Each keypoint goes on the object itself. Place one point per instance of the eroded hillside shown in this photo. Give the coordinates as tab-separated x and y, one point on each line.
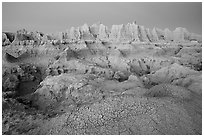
94	80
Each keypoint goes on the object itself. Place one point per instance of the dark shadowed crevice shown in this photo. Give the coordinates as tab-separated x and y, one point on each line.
10	36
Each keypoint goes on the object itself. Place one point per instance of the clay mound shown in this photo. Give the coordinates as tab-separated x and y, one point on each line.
168	90
67	88
191	82
170	73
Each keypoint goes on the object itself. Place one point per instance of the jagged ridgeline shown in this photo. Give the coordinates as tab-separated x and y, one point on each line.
98	32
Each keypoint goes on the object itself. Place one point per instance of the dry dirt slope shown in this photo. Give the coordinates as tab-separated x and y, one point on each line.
94	80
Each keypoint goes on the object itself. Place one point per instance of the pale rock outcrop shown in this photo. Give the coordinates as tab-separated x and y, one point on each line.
94	29
186	34
180	34
136	79
74	34
149	35
155	35
134	31
125	34
168	35
115	32
160	34
99	31
117	61
85	33
142	34
103	33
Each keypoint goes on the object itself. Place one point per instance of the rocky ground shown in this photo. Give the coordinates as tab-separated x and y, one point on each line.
92	80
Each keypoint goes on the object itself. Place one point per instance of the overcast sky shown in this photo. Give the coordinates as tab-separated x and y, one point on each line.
54	17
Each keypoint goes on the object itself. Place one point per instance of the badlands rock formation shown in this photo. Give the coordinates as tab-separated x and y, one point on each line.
123	80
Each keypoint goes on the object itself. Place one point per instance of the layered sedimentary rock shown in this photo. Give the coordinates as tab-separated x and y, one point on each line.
85	33
130	32
160	34
142	34
115	32
103	32
149	35
181	34
94	29
125	34
168	35
155	35
99	31
74	34
127	80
